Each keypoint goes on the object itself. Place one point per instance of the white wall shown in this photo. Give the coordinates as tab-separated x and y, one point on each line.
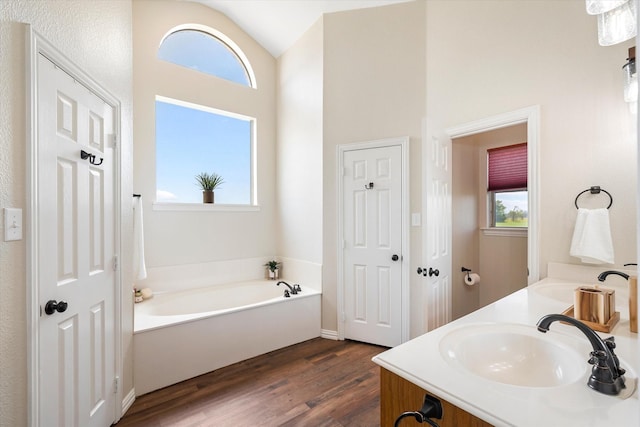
489	57
183	237
465	247
299	150
97	37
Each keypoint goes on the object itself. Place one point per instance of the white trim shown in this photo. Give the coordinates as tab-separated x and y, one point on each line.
505	231
36	45
223	38
253	157
403	142
202	207
530	116
128	401
329	335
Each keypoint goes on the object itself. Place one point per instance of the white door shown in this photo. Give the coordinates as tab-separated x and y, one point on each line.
76	235
437	231
372	273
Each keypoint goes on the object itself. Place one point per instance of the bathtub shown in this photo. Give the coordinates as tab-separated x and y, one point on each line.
180	335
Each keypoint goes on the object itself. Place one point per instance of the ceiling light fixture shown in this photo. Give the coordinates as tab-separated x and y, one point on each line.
616	20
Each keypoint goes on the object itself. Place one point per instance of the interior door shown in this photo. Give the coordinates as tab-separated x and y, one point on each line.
437	213
372	275
76	248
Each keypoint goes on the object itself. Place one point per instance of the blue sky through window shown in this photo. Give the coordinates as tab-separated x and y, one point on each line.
190	141
203	52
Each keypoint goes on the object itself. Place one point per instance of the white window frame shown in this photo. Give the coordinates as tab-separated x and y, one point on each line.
253	205
224	39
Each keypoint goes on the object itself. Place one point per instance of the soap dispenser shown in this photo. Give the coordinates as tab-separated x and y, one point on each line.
633	301
633	295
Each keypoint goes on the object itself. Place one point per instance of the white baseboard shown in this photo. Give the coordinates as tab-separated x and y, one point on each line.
128	401
330	335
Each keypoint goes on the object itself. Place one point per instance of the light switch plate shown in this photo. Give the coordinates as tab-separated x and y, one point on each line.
12	224
415	219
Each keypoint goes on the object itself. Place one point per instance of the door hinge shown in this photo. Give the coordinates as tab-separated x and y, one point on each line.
116	383
115	140
115	263
344	317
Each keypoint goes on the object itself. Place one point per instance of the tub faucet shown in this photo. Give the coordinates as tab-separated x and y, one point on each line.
604	275
606	376
291	290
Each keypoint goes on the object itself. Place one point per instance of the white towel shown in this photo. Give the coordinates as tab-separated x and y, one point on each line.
592	241
139	268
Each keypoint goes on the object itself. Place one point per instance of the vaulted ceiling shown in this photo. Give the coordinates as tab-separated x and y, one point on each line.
277	24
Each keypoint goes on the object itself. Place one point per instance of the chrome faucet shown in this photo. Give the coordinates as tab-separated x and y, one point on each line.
602	276
293	290
606	375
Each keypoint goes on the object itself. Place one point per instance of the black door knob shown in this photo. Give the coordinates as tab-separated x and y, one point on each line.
395	257
52	306
433	272
422	271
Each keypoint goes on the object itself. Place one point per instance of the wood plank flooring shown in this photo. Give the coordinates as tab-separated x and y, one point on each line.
318	383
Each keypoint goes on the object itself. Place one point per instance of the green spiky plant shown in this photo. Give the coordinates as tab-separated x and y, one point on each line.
272	265
209	181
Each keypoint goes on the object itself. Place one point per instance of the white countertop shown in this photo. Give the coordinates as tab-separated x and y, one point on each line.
420	362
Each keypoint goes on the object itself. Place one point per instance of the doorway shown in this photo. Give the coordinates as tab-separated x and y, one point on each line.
495	249
435	132
372	280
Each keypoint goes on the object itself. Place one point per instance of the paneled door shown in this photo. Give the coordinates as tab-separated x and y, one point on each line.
372	273
76	252
437	194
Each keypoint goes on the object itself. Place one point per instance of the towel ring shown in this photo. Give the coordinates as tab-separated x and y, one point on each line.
594	190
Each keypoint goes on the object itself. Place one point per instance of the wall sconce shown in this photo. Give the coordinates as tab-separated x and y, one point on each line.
616	20
631	81
630	77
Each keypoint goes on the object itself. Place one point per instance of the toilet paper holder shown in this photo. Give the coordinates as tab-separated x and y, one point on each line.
466	270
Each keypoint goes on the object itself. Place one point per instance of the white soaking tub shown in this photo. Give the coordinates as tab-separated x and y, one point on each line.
180	335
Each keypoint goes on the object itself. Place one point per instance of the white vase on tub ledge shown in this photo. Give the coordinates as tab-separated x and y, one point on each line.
274	274
273	269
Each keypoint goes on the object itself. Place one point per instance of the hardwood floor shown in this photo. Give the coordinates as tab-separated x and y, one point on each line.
318	383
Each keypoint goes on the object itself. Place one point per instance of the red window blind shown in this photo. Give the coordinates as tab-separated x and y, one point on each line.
507	167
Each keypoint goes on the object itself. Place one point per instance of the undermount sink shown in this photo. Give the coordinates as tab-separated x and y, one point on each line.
564	292
515	354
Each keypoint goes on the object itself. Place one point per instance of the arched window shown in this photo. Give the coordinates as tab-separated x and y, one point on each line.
193	138
208	51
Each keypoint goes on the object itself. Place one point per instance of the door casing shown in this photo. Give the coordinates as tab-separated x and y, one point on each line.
403	142
531	116
36	45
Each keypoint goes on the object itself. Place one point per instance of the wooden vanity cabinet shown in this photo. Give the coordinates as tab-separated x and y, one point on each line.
398	395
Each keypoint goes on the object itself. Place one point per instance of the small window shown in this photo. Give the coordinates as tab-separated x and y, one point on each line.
201	51
191	139
507	186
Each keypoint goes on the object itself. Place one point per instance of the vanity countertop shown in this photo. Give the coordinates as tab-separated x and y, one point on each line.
420	361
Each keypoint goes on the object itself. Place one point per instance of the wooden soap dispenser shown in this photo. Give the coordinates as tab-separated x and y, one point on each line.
633	301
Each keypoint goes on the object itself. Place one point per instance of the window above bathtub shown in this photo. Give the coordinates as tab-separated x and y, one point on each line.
192	139
205	127
209	51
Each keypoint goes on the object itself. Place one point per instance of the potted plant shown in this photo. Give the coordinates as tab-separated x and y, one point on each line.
273	269
208	182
